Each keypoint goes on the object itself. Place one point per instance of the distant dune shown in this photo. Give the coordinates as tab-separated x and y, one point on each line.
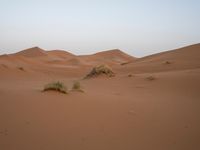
60	53
60	57
183	58
179	59
111	57
126	103
32	52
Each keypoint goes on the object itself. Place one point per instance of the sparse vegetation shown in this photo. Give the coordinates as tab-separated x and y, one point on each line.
99	70
56	86
124	63
130	75
77	86
150	78
167	62
21	68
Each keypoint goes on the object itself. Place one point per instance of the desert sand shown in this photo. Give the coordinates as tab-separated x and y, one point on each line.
152	103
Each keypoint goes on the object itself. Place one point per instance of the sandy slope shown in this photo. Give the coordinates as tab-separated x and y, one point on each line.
32	52
183	58
110	57
118	113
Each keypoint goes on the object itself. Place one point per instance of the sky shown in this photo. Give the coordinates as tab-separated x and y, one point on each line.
137	27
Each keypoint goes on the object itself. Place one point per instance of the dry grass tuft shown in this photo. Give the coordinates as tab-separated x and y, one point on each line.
130	75
124	63
99	70
56	86
167	62
77	86
150	78
21	68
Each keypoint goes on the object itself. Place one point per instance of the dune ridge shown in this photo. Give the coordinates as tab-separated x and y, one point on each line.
179	59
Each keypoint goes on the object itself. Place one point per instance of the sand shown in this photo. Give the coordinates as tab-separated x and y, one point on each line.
151	103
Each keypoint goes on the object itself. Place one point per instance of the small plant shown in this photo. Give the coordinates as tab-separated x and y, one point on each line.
124	63
99	70
21	68
56	86
77	86
150	78
167	62
130	75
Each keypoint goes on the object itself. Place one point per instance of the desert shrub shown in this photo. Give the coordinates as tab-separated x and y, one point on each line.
21	68
124	63
167	62
130	75
77	86
101	69
150	78
56	86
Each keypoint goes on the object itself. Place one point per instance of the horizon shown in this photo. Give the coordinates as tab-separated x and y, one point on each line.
96	51
138	28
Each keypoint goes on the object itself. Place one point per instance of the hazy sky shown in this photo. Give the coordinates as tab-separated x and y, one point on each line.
138	27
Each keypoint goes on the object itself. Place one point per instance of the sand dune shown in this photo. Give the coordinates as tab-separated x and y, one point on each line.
151	103
60	53
111	57
38	58
32	52
179	59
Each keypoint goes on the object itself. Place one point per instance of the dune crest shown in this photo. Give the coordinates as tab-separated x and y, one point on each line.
179	59
60	53
32	52
110	57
